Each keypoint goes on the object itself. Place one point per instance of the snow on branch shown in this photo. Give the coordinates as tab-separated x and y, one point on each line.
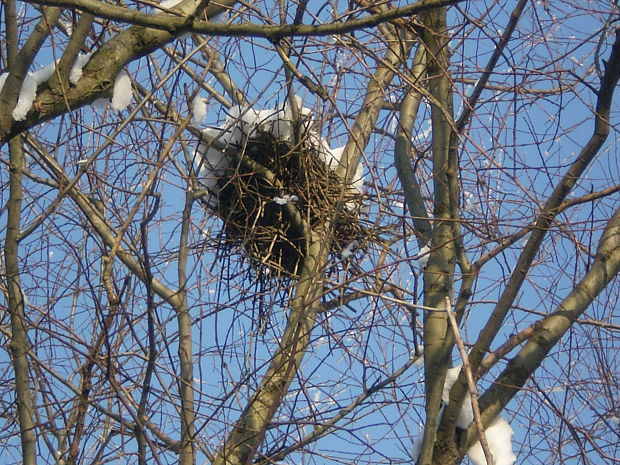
199	110
498	434
76	70
121	96
28	92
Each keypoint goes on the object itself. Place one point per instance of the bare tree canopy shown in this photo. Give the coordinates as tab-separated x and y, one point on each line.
309	232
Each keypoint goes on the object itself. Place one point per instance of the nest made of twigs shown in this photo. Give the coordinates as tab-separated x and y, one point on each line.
271	192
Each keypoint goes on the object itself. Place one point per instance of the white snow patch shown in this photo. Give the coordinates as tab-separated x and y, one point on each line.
393	124
199	110
44	73
214	163
423	255
287	198
420	351
469	200
358	179
68	27
218	134
28	92
280	121
244	123
466	415
265	119
498	434
331	157
76	70
240	124
122	94
349	249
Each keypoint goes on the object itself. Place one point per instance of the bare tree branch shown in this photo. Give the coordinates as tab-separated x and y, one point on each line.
605	268
173	24
438	274
550	209
19	343
402	152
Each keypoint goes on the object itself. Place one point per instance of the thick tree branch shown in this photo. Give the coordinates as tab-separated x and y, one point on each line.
605	268
552	206
402	152
18	344
98	75
174	24
12	38
438	274
186	359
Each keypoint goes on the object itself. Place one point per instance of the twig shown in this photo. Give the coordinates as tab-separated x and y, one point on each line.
473	393
325	428
313	87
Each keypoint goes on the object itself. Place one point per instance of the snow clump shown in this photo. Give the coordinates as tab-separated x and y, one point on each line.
287	198
169	3
76	70
122	94
28	92
350	249
121	97
424	255
498	433
199	110
3	77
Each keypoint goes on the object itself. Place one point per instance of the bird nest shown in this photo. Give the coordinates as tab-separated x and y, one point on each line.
270	192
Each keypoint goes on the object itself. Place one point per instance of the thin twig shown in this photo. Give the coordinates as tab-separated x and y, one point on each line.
473	393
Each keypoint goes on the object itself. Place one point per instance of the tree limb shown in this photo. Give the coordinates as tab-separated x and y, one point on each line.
97	77
176	23
402	152
551	208
18	345
605	268
439	272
